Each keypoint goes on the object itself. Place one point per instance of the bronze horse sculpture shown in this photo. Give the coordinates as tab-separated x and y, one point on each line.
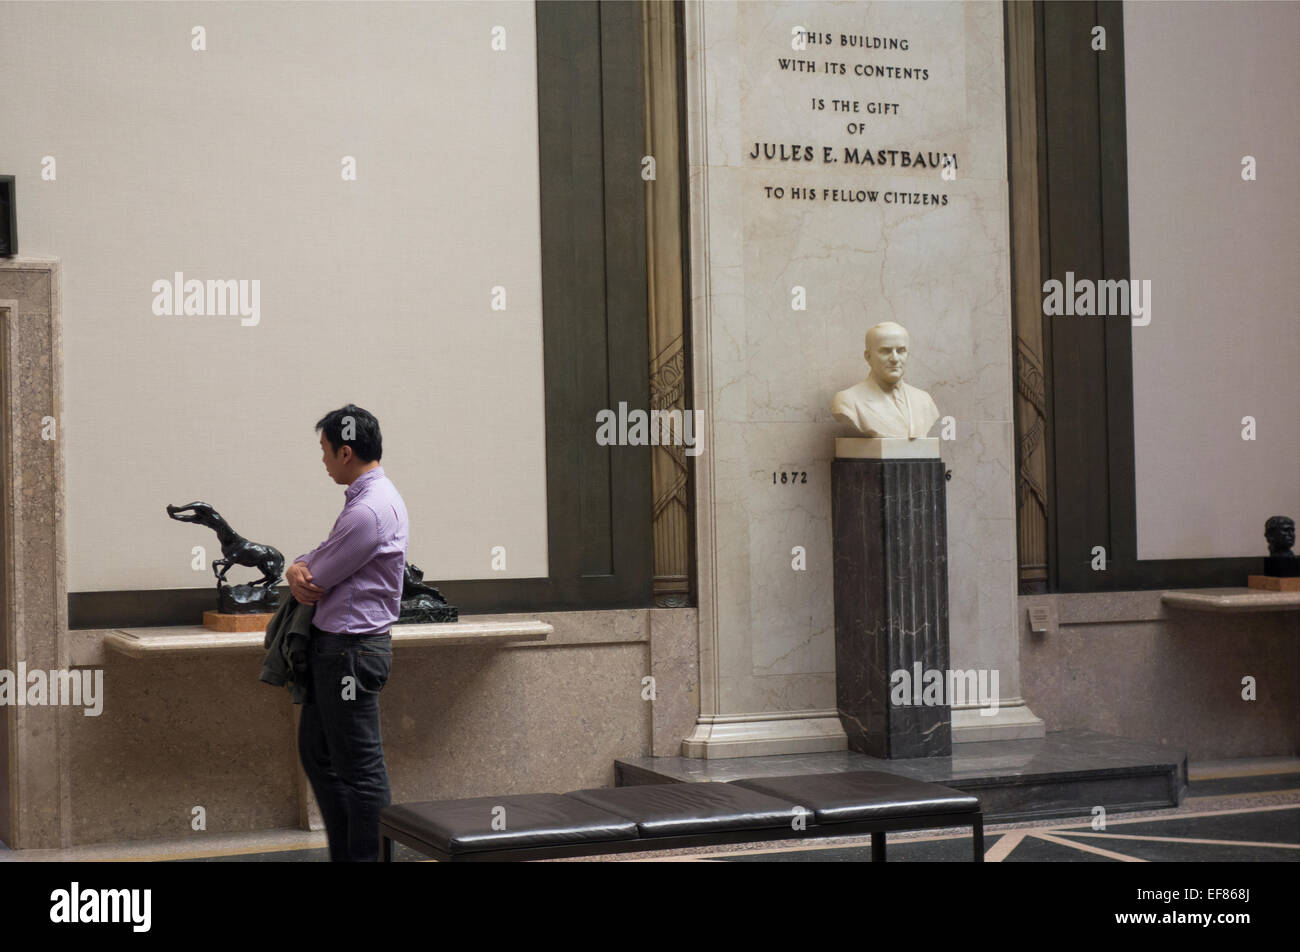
235	549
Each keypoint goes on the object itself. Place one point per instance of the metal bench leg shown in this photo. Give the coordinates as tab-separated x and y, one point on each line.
977	830
877	847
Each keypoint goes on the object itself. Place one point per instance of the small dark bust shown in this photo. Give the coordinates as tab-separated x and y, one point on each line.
1281	562
1279	531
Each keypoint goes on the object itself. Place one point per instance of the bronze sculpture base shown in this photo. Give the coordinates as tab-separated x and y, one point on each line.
1273	583
244	621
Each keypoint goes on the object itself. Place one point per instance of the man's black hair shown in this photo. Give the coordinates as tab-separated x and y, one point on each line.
367	443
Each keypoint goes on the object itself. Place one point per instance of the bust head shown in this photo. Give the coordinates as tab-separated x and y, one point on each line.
879	406
1279	531
886	353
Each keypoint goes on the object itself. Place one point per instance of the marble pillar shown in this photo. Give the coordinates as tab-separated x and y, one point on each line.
34	595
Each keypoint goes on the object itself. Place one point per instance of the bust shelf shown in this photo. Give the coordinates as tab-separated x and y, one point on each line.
186	639
1232	600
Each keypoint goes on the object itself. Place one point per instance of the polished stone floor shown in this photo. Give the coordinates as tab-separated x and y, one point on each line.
1267	834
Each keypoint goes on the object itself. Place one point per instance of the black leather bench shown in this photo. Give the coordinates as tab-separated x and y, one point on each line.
676	815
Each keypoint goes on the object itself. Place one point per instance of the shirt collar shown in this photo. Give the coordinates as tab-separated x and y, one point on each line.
362	481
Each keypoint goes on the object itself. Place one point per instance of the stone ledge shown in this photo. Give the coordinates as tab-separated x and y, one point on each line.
154	642
1232	600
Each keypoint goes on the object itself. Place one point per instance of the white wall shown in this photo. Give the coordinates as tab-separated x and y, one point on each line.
227	164
1205	85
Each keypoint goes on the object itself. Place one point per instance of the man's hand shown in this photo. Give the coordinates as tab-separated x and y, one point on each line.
300	584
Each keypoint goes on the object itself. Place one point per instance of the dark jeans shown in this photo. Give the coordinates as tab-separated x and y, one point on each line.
339	741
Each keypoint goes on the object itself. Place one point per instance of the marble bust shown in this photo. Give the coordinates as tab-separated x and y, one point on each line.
883	405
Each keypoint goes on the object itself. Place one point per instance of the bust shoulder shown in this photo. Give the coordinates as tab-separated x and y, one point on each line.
859	391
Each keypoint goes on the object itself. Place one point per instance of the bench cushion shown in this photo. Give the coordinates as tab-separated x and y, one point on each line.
534	819
863	795
679	809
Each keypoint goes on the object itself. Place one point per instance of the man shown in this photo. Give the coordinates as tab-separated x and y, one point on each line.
354	578
883	405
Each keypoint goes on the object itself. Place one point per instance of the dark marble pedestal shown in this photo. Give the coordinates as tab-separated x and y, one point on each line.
1282	566
889	528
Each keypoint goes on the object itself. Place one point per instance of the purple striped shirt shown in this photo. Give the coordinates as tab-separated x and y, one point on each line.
361	564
